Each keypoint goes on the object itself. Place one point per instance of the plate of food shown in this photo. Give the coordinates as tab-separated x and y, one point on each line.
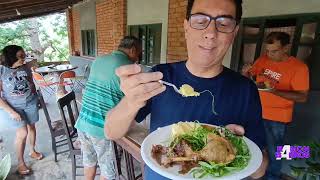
264	86
191	150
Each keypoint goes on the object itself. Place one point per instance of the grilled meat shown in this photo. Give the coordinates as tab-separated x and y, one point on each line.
217	149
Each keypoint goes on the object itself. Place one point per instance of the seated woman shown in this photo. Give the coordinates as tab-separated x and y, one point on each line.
18	102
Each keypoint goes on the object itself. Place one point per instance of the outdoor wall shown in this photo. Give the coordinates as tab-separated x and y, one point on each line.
83	17
150	12
88	16
111	24
70	30
111	21
107	17
177	49
73	20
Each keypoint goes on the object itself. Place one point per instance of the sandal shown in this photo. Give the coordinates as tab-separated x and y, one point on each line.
36	155
23	170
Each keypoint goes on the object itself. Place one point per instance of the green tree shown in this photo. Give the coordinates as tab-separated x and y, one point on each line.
45	41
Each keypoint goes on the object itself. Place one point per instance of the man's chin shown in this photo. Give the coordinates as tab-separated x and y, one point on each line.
204	62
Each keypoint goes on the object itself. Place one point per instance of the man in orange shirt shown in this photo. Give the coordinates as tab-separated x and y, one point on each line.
282	81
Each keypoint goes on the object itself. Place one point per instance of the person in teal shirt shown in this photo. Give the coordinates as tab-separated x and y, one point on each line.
102	92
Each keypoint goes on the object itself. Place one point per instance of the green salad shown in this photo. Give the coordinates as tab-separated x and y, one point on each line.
197	139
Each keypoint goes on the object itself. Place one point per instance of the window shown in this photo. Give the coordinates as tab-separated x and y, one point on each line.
88	42
150	36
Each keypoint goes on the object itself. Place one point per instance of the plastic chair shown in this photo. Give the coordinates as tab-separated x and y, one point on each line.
81	80
65	76
44	84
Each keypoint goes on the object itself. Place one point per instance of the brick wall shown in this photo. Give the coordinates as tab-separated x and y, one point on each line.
76	30
70	29
177	49
73	19
111	24
111	17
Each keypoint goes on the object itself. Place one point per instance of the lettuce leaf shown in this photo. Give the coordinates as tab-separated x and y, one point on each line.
197	139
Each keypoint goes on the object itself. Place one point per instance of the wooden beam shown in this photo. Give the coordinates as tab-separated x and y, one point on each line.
31	10
34	10
43	12
28	4
30	16
31	7
11	2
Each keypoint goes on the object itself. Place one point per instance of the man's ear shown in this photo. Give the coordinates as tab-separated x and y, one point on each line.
286	48
132	50
235	32
186	27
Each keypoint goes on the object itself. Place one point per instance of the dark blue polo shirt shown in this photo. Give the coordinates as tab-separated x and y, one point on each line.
236	102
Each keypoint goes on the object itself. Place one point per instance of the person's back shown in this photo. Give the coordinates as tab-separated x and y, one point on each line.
102	93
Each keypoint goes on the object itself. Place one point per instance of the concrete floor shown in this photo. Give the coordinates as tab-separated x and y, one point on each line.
45	168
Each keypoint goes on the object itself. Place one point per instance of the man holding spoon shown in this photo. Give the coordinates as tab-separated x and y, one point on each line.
210	28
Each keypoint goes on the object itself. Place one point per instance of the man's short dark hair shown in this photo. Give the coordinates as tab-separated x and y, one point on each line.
9	55
237	3
129	42
283	37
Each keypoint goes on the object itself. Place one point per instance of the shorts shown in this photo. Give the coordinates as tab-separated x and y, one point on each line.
28	112
98	151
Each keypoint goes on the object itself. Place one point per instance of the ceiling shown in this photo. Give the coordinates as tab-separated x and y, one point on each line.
11	10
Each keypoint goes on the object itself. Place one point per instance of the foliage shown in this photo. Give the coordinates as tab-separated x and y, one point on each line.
311	170
50	30
218	170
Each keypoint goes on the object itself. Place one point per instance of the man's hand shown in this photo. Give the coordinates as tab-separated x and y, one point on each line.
139	87
296	96
16	116
236	129
245	69
239	130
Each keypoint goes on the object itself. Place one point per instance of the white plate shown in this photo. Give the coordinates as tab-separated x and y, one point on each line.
265	89
162	135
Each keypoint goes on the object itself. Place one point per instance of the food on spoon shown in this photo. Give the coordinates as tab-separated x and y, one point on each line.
267	84
187	91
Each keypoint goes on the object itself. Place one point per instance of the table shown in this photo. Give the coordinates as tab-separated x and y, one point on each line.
56	70
131	145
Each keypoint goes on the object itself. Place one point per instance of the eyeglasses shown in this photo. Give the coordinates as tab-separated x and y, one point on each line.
224	24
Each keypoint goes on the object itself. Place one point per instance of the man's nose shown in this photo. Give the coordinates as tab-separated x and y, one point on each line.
211	31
